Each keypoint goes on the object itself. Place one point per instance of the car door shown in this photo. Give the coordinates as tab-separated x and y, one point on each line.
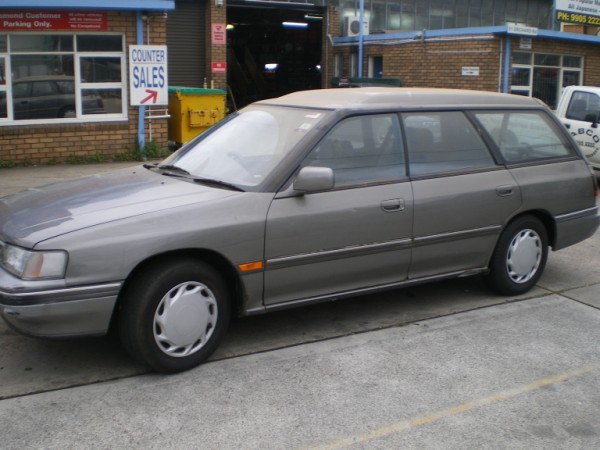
581	119
354	236
462	197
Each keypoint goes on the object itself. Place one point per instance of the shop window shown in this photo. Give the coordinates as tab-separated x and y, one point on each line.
375	66
3	104
543	75
337	65
353	64
411	15
62	77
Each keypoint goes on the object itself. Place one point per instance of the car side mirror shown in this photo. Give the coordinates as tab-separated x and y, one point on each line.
593	119
312	179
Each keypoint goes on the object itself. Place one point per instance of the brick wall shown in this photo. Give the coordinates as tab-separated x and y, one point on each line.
41	144
215	53
438	63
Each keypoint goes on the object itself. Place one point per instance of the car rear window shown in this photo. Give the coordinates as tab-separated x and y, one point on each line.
524	136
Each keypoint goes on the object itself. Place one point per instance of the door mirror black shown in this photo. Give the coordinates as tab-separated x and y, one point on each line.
593	118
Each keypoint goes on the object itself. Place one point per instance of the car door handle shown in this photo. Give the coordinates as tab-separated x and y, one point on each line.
504	191
393	205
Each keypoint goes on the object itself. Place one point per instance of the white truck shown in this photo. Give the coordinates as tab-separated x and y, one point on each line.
579	110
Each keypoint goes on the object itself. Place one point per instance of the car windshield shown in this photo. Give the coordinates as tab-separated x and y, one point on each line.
244	149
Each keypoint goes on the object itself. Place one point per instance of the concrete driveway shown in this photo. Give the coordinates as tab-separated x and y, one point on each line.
447	365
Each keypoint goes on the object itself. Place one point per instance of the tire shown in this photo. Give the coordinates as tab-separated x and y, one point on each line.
174	315
520	257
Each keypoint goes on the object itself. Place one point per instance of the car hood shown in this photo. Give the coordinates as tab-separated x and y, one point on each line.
37	214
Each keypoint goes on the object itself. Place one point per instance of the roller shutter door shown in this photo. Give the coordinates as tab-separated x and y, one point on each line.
186	37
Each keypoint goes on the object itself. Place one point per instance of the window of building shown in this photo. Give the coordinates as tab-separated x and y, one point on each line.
62	78
416	15
337	65
375	67
353	64
543	75
3	107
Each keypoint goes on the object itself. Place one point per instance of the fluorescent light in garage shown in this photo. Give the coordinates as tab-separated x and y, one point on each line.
294	24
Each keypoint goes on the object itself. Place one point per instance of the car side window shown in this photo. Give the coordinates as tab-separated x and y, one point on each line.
42	88
362	149
439	142
524	136
583	106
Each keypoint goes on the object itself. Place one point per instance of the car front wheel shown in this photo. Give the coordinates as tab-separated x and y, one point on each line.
520	257
174	315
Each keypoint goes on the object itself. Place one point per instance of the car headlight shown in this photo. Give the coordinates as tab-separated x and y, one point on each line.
32	265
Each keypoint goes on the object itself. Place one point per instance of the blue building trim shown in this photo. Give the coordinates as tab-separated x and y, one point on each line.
139	40
96	5
498	30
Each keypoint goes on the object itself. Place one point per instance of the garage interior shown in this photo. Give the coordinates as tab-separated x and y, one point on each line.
272	50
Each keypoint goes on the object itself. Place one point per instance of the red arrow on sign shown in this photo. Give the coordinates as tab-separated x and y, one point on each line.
152	95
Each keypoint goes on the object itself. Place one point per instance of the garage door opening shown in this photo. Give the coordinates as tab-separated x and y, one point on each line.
272	51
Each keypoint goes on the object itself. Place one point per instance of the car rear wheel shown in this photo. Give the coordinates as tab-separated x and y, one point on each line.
520	256
174	315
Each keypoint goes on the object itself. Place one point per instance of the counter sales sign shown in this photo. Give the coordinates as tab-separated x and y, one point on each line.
584	12
148	84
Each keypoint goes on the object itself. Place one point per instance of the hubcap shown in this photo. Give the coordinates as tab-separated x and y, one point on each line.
524	256
185	319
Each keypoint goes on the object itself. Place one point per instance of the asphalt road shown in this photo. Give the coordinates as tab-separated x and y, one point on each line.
447	365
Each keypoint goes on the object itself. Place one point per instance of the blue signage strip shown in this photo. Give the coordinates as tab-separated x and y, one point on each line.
115	5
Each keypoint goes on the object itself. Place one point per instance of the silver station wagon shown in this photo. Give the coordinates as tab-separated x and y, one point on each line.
306	198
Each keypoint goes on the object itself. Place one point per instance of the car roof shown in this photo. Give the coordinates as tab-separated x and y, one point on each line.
393	97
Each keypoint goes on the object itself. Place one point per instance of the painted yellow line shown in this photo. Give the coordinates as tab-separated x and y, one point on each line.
452	411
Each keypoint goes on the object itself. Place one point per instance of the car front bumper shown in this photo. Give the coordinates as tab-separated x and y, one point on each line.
60	312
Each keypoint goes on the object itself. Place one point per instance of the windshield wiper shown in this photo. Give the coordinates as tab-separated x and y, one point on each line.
176	170
212	182
173	168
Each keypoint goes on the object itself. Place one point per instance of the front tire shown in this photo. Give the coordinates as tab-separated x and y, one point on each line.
174	315
520	257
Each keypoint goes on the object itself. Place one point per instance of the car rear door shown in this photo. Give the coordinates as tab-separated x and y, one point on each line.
462	196
352	237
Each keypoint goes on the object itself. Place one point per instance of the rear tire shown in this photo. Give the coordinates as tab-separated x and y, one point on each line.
520	257
174	315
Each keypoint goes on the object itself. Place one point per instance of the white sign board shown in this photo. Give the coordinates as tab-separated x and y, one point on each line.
470	71
514	28
148	83
590	8
525	43
584	12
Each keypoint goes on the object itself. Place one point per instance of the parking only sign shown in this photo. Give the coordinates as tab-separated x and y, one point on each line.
148	83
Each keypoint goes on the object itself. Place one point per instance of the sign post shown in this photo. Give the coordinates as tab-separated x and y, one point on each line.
148	82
